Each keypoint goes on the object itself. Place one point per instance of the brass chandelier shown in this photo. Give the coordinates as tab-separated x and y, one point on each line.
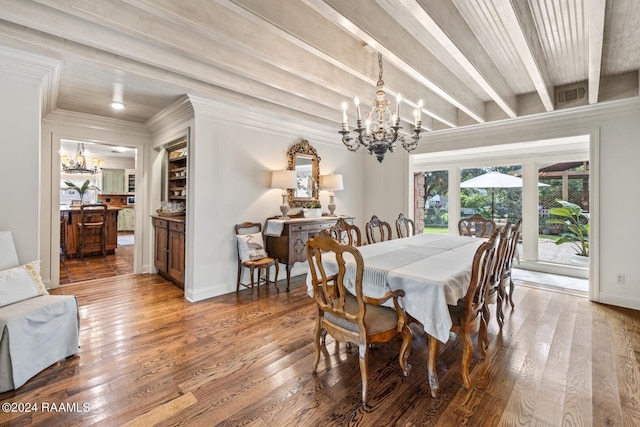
381	130
78	164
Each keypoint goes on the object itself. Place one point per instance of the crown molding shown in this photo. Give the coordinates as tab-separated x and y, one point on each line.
271	118
31	68
98	123
179	112
548	125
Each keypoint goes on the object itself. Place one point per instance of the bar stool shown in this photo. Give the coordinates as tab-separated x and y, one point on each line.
92	231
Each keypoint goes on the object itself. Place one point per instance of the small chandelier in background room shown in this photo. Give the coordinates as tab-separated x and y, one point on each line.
380	132
78	164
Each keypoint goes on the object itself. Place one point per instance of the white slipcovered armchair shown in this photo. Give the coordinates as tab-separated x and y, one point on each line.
36	329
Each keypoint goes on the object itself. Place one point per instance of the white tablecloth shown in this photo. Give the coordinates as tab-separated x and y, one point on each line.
433	270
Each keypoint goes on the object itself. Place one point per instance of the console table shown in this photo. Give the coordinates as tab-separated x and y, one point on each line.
286	239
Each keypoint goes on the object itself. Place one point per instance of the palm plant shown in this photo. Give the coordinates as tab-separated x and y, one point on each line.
82	189
577	222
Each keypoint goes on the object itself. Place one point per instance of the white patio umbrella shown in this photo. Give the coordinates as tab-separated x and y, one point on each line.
493	180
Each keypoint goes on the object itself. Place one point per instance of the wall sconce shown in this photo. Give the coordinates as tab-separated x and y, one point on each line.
285	179
331	183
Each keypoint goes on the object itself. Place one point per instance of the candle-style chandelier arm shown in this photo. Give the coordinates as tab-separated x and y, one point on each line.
380	132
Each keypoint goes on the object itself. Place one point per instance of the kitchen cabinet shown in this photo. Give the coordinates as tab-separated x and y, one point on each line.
130	180
126	219
169	248
69	219
289	245
113	181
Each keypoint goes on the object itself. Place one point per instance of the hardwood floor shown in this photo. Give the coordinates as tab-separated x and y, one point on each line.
150	357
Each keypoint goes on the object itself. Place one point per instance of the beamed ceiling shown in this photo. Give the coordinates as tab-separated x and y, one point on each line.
470	61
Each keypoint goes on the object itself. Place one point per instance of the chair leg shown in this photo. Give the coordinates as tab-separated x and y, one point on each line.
467	347
483	337
239	275
275	279
433	358
405	349
252	275
317	333
511	287
499	304
363	353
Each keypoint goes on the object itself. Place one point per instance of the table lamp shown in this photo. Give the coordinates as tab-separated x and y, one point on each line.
284	179
331	183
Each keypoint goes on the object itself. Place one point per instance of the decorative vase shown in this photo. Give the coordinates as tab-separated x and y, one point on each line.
312	213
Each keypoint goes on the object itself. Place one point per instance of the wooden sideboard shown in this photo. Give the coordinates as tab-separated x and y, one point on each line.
169	248
289	246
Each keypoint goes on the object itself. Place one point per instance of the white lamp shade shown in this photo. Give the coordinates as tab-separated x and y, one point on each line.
284	179
331	182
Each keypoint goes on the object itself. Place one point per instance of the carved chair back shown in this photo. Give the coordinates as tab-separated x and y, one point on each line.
346	233
405	227
476	225
377	230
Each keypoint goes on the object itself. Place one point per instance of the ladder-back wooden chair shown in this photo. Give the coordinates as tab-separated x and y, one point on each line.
476	225
405	227
350	316
469	314
346	233
92	229
377	230
252	255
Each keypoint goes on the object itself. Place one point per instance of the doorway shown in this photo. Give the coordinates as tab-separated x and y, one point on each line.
112	184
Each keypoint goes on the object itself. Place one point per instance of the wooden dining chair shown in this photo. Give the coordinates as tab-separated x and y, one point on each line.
469	314
516	234
495	292
350	316
405	227
347	233
252	255
476	225
92	229
377	230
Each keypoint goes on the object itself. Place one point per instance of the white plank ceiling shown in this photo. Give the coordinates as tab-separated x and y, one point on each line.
470	61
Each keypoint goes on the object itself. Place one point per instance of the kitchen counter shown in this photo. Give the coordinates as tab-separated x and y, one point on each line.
69	219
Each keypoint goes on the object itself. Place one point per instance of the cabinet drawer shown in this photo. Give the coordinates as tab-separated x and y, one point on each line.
314	227
176	226
160	223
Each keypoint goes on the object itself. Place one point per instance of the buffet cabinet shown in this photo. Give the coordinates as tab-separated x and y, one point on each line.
169	248
289	244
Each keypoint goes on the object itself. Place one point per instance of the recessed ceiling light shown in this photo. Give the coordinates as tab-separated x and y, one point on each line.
117	105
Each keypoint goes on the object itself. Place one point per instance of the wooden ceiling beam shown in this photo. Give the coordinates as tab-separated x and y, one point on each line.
519	24
595	12
443	22
303	27
368	22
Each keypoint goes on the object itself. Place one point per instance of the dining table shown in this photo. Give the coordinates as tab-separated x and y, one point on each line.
433	270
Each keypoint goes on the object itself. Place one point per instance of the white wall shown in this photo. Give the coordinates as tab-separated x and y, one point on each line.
21	82
229	182
386	188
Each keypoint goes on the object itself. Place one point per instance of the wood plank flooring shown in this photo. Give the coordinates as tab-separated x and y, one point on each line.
149	357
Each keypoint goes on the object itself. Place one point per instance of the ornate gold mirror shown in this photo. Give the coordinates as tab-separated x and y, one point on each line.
304	159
